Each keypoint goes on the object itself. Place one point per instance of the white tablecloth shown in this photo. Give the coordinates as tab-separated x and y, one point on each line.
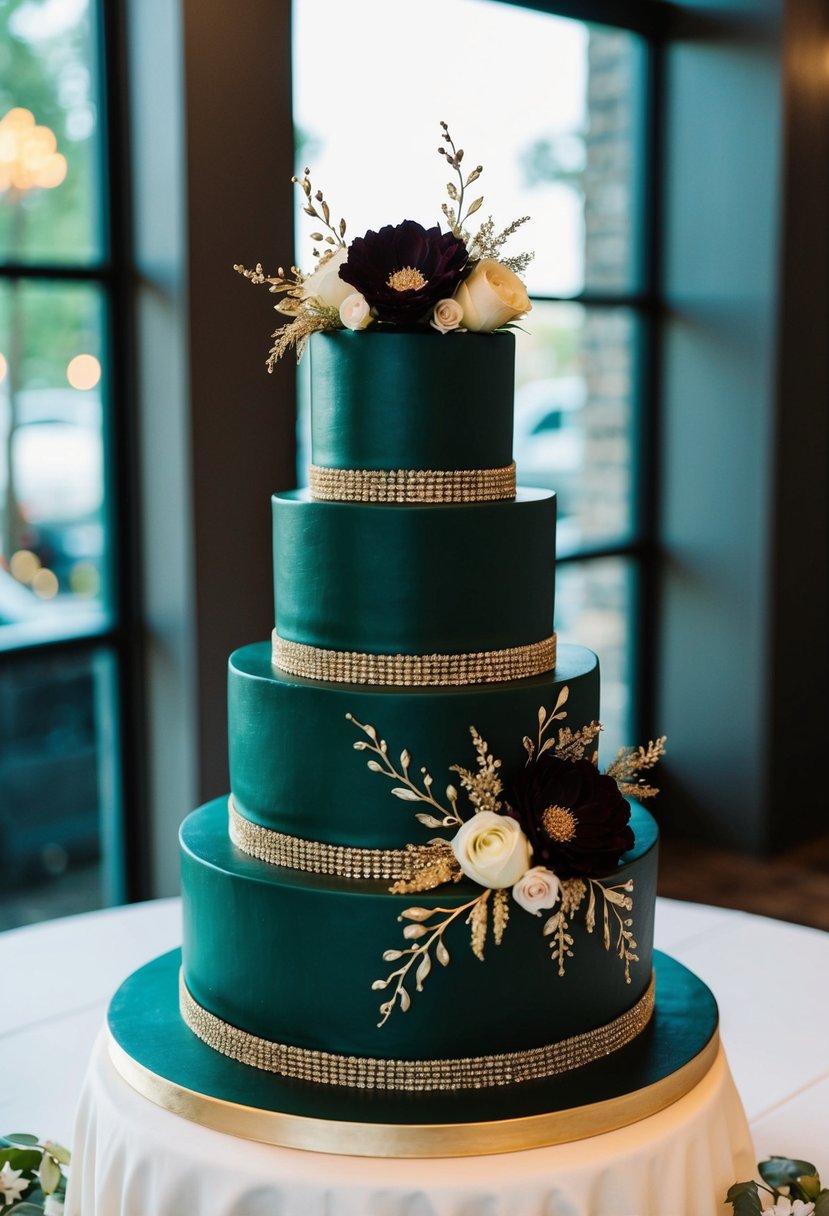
62	974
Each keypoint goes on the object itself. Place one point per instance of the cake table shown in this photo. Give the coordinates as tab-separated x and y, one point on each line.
133	1158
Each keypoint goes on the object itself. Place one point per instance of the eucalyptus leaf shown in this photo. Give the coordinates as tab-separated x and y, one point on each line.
49	1174
21	1138
58	1151
783	1171
745	1199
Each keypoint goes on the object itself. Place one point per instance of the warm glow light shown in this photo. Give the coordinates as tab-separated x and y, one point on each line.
28	153
84	371
24	565
45	584
4	367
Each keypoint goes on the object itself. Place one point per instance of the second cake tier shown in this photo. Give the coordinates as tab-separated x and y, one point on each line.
414	580
293	767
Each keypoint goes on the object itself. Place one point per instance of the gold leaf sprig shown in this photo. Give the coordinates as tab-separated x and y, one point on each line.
573	891
545	721
455	216
630	762
487	243
484	786
616	900
408	791
335	235
426	938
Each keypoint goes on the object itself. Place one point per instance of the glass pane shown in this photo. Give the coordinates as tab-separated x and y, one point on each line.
549	106
53	542
58	812
50	170
595	608
574	418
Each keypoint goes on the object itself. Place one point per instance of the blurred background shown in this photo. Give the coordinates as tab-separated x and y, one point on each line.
672	387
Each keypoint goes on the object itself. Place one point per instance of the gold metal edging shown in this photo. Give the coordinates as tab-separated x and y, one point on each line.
414	670
415	1139
415	1076
411	485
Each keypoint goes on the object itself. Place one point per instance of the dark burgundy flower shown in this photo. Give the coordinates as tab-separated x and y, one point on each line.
574	816
404	269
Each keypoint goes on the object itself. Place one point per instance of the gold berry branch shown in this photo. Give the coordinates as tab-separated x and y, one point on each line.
455	215
335	236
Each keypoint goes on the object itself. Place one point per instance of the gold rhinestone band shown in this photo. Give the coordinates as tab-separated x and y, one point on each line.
415	1076
359	667
315	857
411	485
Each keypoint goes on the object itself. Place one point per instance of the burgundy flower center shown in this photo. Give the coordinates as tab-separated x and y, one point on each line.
407	279
559	823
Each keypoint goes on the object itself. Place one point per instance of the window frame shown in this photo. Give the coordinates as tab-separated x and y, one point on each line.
125	873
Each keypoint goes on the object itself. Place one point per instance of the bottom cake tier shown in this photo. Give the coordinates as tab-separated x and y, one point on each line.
159	1057
280	969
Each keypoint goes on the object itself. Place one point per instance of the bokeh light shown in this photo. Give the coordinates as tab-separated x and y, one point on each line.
24	565
45	584
28	153
83	372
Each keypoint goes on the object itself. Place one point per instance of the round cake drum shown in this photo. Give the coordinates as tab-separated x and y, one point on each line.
159	1057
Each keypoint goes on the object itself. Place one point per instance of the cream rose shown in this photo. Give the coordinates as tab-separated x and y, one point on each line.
492	850
355	312
447	316
491	296
536	889
325	283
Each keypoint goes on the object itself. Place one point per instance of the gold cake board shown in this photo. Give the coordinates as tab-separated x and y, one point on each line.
156	1054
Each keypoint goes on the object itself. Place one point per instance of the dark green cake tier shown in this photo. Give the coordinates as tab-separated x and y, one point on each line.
292	762
394	400
291	957
414	579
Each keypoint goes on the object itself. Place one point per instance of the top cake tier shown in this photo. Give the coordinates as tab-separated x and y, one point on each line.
398	400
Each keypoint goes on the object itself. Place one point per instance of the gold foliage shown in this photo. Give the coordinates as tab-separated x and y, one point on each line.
408	790
630	762
430	867
484	786
500	915
478	919
311	318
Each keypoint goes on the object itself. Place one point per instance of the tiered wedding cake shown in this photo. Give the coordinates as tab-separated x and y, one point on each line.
424	913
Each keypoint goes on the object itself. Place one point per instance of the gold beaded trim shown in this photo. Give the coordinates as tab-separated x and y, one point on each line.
359	667
411	485
315	857
415	1076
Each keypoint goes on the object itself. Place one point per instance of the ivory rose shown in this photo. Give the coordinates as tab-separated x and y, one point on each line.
492	850
355	312
447	316
491	296
325	283
536	889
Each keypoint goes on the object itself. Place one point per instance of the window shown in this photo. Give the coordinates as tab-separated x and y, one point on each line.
555	108
60	602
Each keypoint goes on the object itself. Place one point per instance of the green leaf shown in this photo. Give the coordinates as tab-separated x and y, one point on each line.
27	1209
60	1153
783	1171
27	1159
20	1138
49	1174
745	1199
